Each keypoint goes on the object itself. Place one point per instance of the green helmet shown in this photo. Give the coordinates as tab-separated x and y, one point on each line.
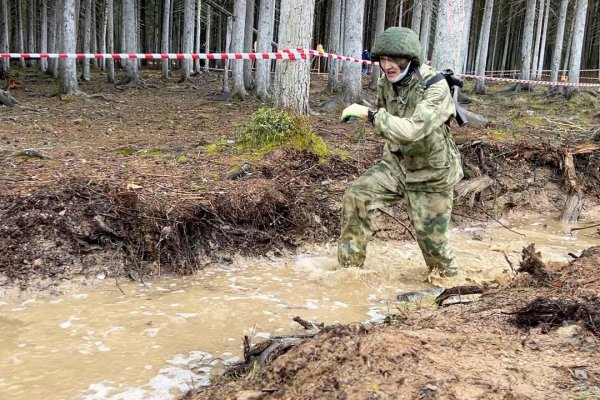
397	42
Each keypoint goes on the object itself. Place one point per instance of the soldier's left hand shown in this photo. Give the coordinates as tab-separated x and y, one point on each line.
355	111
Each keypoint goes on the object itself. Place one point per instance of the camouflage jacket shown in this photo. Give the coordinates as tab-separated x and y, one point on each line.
413	123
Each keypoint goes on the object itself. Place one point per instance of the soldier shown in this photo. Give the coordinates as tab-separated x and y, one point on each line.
420	162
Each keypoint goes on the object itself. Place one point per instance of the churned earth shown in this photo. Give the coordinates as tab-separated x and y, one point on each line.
151	181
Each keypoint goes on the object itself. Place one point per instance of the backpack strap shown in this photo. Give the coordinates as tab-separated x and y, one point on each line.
435	79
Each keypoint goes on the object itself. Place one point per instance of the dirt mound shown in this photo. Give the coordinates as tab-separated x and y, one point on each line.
463	351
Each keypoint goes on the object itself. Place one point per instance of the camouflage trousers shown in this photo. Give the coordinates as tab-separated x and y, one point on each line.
383	185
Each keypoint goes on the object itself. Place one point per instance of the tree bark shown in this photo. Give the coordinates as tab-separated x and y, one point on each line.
353	28
68	67
53	37
165	37
129	30
31	18
266	18
292	78
541	59
568	49
448	46
248	44
228	35
44	34
426	28
188	38
87	30
482	49
379	28
334	46
198	46
237	46
527	43
20	42
110	40
538	38
208	34
577	44
417	11
5	62
507	39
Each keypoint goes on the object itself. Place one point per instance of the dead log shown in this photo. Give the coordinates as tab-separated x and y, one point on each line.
6	99
532	264
457	291
574	203
473	186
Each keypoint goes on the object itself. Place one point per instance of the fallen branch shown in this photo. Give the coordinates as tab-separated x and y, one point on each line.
457	291
584	227
501	224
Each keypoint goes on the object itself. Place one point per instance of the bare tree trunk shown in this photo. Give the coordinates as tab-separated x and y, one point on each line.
353	28
44	34
492	64
188	38
527	43
400	12
198	48
448	46
94	36
417	10
53	41
248	44
507	40
87	28
426	28
20	42
379	28
266	18
577	44
292	78
482	49
165	36
129	30
542	56
31	17
4	62
110	40
558	42
228	35
333	83
565	68
68	67
103	30
237	46
538	39
207	34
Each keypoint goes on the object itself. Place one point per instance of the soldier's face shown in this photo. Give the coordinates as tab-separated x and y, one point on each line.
393	67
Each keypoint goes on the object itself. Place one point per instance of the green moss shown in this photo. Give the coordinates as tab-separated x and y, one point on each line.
530	121
217	147
182	159
499	135
153	152
269	129
126	151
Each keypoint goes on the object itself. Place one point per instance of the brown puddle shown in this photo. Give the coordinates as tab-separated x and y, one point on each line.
160	339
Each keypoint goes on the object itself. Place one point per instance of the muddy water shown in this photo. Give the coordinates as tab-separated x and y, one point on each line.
161	338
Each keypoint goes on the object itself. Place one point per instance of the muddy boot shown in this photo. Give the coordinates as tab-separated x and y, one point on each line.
350	255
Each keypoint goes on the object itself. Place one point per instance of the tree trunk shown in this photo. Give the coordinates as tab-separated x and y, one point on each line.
492	63
20	42
292	78
541	59
577	44
248	43
538	39
400	13
379	28
4	62
110	40
165	37
44	34
527	43
31	17
353	28
102	38
333	83
426	29
87	33
447	49
568	49
417	10
198	48
507	39
53	22
94	36
68	67
208	34
482	49
129	30
266	18
237	46
188	38
228	35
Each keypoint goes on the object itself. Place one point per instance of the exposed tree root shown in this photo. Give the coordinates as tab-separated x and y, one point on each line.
533	264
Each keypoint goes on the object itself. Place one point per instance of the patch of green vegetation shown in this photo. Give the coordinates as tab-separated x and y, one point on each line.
529	120
217	147
183	159
126	151
269	129
498	135
153	152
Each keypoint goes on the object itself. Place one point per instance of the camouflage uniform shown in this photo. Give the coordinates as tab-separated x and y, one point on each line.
420	162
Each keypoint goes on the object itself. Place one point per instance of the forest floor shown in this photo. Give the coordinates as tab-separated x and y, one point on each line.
150	181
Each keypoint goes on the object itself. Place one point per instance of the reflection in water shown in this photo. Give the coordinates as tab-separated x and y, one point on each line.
161	338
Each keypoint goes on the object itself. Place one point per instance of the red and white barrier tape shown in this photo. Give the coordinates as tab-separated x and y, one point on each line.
288	54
